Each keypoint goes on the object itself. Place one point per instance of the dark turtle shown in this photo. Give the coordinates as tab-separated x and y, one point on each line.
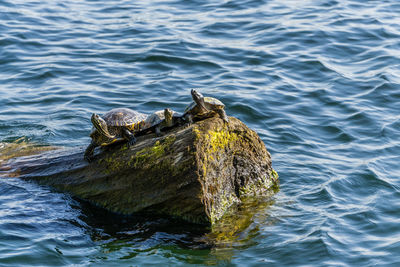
203	107
162	119
116	125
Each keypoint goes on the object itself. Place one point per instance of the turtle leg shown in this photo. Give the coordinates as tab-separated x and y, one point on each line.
189	119
128	135
222	115
179	121
89	151
157	130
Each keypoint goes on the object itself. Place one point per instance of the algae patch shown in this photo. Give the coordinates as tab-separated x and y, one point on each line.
146	156
218	148
225	202
261	186
220	140
217	143
150	154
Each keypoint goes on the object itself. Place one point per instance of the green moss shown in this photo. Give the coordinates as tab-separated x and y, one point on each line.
216	142
275	178
217	139
150	154
218	146
274	175
112	163
220	140
217	211
237	220
145	156
262	186
197	133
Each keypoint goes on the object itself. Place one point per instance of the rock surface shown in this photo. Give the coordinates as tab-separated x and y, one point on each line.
193	173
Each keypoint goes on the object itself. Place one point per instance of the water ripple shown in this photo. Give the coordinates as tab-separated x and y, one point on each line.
317	80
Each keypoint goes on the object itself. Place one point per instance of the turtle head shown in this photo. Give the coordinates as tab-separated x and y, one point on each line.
100	125
168	114
198	98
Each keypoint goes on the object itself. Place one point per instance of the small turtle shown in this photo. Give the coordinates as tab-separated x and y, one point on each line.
116	125
204	107
162	119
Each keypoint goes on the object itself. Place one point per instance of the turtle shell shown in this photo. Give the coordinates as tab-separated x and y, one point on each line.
154	118
210	102
123	117
213	102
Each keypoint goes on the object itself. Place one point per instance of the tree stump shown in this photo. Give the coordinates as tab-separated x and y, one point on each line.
194	173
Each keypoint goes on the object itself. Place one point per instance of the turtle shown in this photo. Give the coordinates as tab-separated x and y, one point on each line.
204	107
116	125
161	119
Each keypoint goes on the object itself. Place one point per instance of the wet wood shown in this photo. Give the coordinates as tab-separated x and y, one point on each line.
194	173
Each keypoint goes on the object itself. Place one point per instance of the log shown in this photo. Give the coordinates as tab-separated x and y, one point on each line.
194	173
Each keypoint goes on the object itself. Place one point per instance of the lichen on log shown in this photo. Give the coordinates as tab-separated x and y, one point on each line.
194	172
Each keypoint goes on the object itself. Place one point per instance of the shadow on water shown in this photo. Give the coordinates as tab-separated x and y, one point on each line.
143	232
130	237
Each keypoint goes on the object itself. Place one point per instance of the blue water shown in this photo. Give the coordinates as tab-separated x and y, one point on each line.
318	80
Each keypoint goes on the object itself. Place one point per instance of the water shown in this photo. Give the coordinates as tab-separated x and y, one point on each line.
318	80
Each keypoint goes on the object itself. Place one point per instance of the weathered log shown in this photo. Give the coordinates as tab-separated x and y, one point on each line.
194	173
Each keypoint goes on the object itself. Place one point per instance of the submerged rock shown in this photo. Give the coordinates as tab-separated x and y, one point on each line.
194	173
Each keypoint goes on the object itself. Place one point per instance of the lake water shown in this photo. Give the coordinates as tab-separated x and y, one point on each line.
318	81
